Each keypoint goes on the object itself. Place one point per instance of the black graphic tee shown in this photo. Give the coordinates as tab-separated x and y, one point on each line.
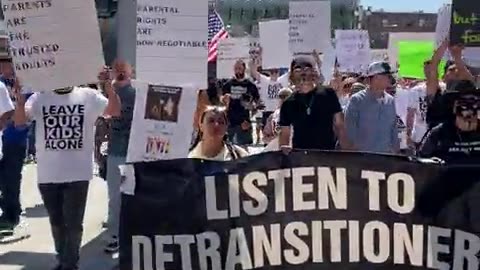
452	145
242	94
65	133
314	130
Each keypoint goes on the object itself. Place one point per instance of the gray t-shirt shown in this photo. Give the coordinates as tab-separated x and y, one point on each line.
120	126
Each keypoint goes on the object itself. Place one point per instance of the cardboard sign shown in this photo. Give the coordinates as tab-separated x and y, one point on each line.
309	26
275	44
172	42
162	124
395	38
229	51
465	23
54	44
352	50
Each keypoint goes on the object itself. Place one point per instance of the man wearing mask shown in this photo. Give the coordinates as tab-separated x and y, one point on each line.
456	140
14	151
118	145
312	113
240	96
65	142
371	117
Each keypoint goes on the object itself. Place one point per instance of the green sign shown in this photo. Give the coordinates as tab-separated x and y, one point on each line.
412	55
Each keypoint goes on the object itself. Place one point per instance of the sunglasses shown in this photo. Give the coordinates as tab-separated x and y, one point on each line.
283	96
348	85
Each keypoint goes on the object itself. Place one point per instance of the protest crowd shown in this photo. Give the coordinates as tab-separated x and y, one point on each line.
128	130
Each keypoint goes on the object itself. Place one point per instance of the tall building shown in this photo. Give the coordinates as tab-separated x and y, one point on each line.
245	14
379	24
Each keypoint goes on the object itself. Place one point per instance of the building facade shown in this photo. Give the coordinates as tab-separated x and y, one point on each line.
245	14
379	24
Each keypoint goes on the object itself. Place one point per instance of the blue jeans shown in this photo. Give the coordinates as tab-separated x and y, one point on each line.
10	181
31	140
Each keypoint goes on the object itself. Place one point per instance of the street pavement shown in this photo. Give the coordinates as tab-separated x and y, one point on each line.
37	252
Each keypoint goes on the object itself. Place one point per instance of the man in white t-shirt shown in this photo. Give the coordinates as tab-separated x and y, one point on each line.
417	114
6	110
65	144
268	86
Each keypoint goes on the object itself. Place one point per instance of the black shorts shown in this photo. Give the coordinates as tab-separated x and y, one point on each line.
265	116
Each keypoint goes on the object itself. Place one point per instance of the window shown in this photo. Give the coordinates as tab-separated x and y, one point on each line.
421	22
385	22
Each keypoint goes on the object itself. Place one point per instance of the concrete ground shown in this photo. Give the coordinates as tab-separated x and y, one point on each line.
37	252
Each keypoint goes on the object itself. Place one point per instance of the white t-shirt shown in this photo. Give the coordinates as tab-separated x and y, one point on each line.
402	99
418	102
6	105
65	133
269	90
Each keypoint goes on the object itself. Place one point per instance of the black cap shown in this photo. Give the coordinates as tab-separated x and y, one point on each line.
301	62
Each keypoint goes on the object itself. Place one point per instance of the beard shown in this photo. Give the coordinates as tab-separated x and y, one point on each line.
240	75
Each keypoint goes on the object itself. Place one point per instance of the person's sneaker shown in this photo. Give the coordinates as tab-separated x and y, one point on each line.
14	234
113	246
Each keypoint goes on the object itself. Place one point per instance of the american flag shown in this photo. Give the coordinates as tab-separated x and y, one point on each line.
216	32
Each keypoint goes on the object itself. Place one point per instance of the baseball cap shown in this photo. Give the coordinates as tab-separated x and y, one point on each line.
379	68
301	62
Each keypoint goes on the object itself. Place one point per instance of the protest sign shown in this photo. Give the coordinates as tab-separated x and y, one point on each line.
172	44
309	23
162	125
378	55
228	52
412	56
308	210
275	44
352	50
442	31
54	44
465	23
395	38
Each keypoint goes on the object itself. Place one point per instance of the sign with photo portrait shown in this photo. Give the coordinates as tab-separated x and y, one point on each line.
162	122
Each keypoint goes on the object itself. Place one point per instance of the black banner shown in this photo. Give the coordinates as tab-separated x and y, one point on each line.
308	210
465	24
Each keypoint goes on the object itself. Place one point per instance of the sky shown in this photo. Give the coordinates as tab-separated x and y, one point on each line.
406	5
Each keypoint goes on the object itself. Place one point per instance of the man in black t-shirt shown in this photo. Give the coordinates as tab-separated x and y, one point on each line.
457	139
313	113
241	96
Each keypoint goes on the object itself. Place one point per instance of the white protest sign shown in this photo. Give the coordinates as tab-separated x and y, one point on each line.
228	52
275	44
162	123
328	63
395	38
309	26
352	50
54	44
172	41
378	55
